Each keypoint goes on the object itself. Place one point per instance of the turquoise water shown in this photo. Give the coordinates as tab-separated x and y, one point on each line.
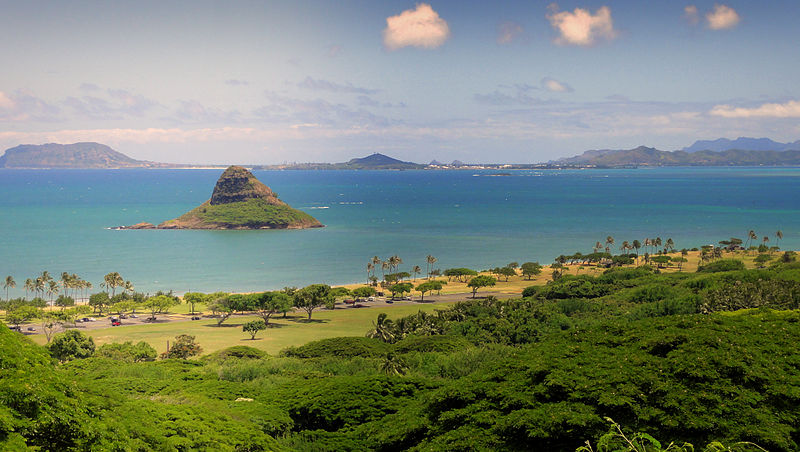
58	220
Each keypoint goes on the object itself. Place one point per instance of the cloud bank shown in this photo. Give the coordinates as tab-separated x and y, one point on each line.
581	27
419	27
790	109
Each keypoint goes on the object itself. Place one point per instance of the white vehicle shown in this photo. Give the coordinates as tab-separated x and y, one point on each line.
371	299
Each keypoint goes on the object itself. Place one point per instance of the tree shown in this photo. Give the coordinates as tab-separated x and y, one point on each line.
9	283
400	288
416	271
636	245
64	301
530	269
268	303
609	243
364	292
124	306
112	281
427	286
254	327
394	365
383	329
30	286
21	314
312	297
430	260
51	322
98	301
183	348
194	298
778	236
479	282
158	304
226	306
70	345
505	271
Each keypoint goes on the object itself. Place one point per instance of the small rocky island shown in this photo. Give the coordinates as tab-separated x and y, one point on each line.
239	201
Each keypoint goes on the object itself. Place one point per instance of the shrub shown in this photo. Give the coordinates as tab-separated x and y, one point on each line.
437	343
127	352
183	348
341	347
70	345
722	265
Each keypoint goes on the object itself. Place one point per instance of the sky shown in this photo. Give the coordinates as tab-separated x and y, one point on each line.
265	82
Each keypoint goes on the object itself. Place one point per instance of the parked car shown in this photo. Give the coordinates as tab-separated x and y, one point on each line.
196	317
371	299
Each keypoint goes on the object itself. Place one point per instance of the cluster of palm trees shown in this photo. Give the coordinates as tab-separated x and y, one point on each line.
650	245
392	264
70	285
752	236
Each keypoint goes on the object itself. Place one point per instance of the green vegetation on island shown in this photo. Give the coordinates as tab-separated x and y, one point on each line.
76	155
239	201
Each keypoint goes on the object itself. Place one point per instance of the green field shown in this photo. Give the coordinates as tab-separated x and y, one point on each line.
293	331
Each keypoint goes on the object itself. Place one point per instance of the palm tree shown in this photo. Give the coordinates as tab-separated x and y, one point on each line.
39	285
29	287
416	270
383	329
670	245
112	281
750	236
636	245
625	246
385	266
128	287
370	268
779	236
52	289
430	260
9	283
765	240
609	243
657	243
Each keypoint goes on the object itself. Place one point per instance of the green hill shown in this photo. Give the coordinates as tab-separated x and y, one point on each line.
76	155
645	156
240	201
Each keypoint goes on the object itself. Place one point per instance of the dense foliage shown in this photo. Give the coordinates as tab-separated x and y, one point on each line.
646	349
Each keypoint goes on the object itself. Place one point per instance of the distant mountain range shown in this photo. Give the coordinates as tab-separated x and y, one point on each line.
76	155
371	162
645	156
743	144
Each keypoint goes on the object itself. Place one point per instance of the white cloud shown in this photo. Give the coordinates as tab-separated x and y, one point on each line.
722	17
691	15
555	86
507	32
581	27
790	109
325	85
419	27
5	102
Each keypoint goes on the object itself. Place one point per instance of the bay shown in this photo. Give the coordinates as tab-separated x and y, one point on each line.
59	220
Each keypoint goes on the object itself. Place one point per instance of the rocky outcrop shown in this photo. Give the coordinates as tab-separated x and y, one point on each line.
239	201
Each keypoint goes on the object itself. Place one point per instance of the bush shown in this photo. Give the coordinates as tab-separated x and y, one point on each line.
239	351
127	352
340	347
438	343
183	348
70	345
722	265
530	291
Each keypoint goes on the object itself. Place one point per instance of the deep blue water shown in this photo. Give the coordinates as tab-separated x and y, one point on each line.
57	220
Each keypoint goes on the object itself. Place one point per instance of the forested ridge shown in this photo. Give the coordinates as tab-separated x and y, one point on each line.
684	357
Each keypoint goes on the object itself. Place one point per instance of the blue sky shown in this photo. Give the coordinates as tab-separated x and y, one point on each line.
269	82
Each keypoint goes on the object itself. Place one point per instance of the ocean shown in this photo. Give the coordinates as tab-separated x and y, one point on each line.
60	220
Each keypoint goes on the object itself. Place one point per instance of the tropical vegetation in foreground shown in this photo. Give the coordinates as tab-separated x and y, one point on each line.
707	359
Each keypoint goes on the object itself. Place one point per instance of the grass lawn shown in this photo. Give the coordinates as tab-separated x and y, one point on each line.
294	330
